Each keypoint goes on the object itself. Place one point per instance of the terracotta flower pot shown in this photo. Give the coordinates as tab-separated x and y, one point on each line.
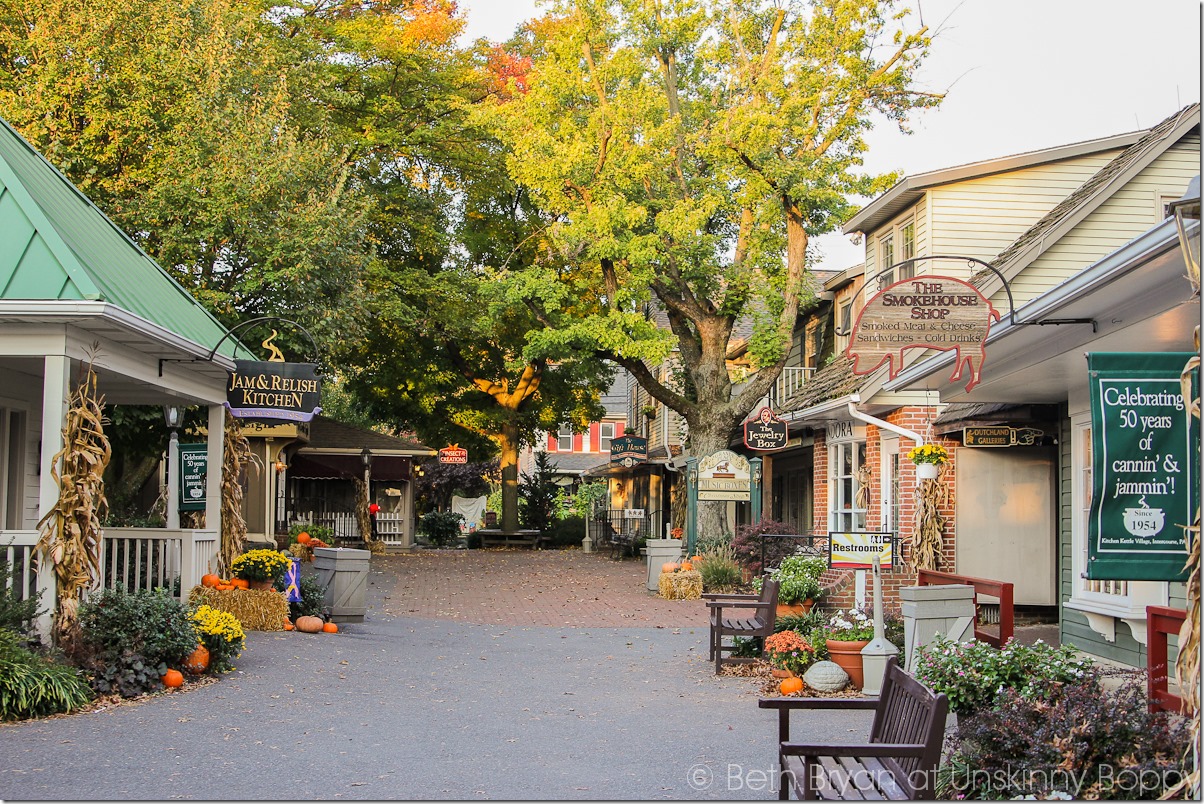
795	609
268	584
847	654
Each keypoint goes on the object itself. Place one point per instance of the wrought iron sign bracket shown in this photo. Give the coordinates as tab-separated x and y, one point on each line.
313	344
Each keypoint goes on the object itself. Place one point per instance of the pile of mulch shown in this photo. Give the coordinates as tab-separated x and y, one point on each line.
767	686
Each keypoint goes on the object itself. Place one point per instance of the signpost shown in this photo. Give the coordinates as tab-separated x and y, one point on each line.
627	451
1145	459
856	550
1001	436
453	454
766	432
194	464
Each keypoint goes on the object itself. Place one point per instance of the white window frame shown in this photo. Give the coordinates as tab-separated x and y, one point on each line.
837	508
1101	607
844	313
604	439
886	243
561	435
900	239
907	248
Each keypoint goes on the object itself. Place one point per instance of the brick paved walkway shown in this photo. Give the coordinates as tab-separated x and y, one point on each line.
555	588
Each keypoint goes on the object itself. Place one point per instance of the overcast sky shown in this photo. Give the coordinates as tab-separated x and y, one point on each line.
1019	75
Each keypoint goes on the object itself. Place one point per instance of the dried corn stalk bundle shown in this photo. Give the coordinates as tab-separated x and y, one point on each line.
256	609
236	457
928	537
1187	666
362	517
71	534
680	585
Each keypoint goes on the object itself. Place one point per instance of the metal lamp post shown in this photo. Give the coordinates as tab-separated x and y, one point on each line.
1187	211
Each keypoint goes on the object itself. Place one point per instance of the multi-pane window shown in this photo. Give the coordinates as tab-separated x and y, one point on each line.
846	326
564	439
844	461
1085	468
907	249
886	260
606	432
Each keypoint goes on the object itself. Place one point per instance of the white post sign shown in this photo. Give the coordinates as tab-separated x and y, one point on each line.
724	475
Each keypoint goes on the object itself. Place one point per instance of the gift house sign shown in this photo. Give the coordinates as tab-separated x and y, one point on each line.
926	312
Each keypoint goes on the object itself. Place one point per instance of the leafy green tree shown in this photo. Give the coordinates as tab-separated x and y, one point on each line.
687	151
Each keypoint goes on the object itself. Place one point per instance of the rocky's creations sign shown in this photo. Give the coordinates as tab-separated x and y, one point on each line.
926	312
272	391
1145	450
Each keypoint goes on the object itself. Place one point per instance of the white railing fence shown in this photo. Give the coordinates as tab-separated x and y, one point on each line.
391	529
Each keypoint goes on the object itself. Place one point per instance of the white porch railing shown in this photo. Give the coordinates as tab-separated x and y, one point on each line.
136	558
788	383
391	529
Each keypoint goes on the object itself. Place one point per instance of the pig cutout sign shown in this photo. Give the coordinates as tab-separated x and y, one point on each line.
924	312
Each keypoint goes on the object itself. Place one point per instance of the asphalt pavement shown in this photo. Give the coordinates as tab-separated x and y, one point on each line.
423	707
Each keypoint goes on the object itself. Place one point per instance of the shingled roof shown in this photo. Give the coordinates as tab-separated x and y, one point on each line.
831	382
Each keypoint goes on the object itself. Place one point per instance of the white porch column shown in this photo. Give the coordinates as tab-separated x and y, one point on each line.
56	381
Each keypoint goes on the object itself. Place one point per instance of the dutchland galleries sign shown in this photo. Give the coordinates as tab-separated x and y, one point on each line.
1145	454
927	312
272	391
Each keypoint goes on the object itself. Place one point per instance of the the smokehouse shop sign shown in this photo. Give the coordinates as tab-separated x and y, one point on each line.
926	312
273	391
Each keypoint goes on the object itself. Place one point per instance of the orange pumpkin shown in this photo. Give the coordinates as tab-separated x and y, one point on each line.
197	661
240	583
330	628
686	566
789	686
668	566
304	538
210	580
224	587
288	626
172	679
309	625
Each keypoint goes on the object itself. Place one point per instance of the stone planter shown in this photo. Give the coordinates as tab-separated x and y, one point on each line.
344	573
847	654
660	551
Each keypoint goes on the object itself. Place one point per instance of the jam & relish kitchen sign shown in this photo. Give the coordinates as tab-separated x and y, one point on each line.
927	312
1145	449
265	390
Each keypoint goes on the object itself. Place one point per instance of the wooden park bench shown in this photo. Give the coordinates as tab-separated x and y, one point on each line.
750	616
899	762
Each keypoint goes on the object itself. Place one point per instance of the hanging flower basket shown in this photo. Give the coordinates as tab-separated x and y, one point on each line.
927	471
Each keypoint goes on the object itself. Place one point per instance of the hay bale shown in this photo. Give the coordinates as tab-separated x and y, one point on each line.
680	585
256	609
301	551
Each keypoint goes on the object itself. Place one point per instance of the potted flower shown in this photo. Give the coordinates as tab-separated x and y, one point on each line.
928	459
260	568
221	634
789	653
799	578
847	633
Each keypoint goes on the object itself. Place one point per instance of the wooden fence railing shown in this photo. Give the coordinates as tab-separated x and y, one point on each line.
1161	622
982	586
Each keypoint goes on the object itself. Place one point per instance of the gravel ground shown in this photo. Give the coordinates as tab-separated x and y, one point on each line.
407	707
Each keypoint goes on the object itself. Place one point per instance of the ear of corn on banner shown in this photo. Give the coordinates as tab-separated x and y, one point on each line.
70	531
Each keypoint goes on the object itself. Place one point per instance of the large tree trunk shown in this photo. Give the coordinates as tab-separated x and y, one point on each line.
507	442
709	432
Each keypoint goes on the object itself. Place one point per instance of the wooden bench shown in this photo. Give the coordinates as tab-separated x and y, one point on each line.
755	620
527	537
899	762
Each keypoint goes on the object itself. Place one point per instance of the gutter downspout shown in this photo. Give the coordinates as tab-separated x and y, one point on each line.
894	428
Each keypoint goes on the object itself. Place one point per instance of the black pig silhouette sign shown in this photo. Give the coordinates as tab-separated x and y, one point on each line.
924	312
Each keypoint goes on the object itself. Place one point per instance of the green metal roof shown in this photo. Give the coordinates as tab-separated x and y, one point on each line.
55	244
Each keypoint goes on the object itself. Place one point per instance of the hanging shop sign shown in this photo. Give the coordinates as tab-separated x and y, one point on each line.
857	550
927	312
766	432
1145	457
194	465
1001	436
724	475
271	391
627	451
453	454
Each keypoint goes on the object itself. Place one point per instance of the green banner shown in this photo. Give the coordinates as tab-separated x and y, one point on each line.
1145	459
194	462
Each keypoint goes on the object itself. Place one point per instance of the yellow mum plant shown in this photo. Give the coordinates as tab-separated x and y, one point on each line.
929	453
